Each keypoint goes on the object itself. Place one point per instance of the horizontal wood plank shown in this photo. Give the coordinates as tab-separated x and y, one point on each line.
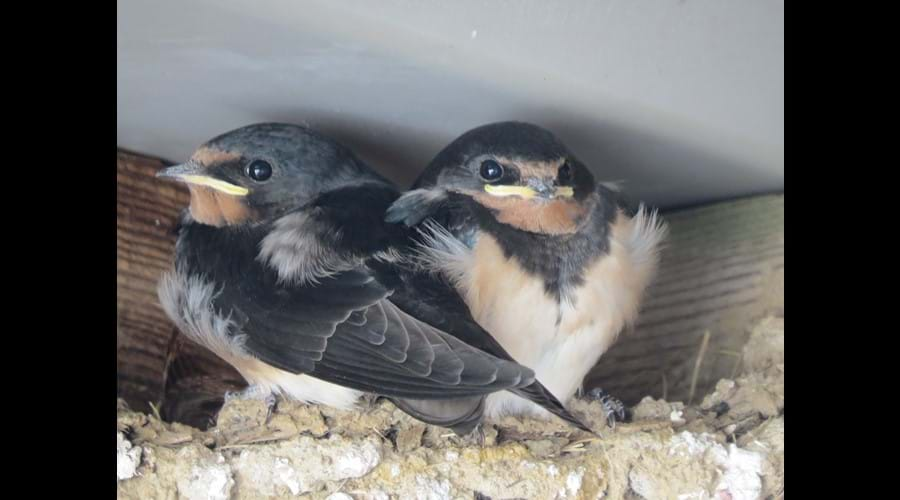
154	364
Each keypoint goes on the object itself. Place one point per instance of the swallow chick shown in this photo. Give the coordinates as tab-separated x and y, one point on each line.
547	259
285	268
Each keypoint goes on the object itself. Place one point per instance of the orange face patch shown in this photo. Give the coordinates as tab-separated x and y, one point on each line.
214	208
557	216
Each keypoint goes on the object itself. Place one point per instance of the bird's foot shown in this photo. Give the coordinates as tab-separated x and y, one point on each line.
256	393
479	434
271	405
251	392
612	407
368	400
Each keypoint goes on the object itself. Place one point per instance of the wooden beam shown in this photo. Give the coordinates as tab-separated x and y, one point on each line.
153	362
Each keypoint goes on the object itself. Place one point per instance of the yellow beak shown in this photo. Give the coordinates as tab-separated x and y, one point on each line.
527	192
192	174
218	185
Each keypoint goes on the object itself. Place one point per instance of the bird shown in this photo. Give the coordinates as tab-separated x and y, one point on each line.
549	260
285	268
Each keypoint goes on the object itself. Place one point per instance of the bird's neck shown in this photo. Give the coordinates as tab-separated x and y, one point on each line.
218	209
219	252
336	231
560	260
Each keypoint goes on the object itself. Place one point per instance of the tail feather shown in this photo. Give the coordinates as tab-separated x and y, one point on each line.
461	415
539	394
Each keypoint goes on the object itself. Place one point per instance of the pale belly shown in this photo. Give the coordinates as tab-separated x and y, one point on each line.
298	387
560	342
524	320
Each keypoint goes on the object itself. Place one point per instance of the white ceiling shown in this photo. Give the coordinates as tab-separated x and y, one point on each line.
681	99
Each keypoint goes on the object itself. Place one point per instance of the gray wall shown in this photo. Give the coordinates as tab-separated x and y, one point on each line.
681	99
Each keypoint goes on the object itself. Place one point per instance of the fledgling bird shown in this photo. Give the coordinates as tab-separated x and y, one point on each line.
286	269
547	259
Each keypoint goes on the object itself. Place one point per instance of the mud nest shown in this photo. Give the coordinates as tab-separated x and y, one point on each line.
730	445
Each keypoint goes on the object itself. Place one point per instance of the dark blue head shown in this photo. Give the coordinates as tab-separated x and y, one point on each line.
259	172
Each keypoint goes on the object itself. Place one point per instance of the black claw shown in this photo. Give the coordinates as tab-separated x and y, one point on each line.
612	407
271	405
721	408
369	400
255	393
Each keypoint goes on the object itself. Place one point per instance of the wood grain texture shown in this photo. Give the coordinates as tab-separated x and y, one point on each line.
722	268
153	361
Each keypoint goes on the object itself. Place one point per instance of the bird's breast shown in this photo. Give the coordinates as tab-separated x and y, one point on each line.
515	307
560	339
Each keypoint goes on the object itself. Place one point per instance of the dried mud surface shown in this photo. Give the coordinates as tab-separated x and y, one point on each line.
730	445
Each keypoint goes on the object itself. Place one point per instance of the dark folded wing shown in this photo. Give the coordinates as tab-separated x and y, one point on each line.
346	330
429	297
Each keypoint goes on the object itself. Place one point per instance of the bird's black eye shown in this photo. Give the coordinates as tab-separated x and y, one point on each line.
491	170
565	174
259	170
